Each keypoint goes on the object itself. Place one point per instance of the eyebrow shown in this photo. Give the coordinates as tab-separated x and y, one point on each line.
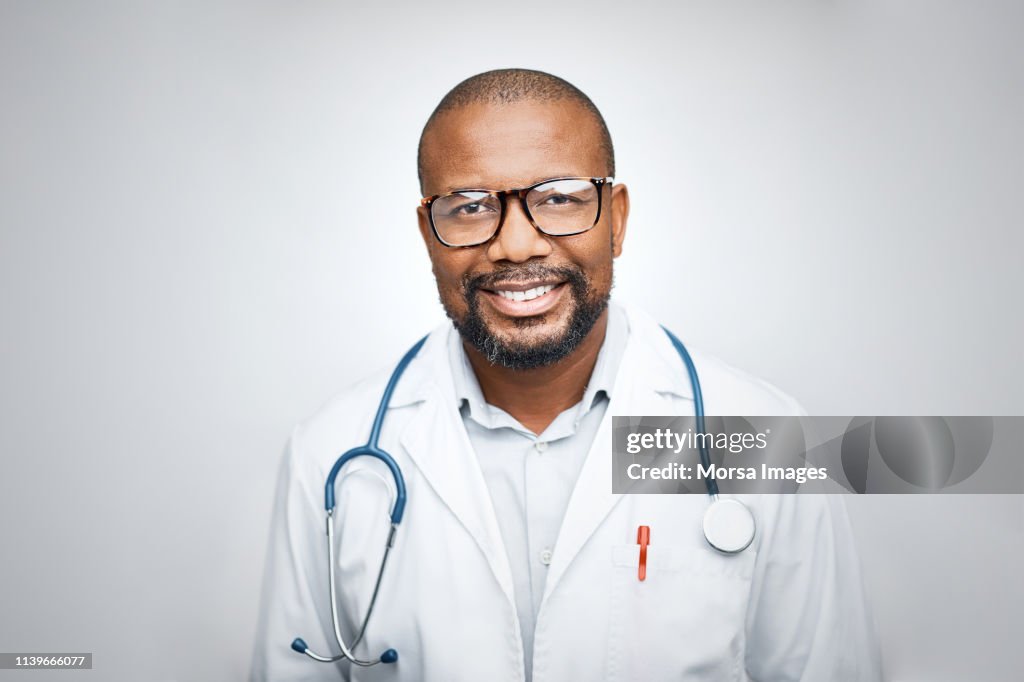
547	176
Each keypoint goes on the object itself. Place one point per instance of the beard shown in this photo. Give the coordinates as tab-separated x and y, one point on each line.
523	353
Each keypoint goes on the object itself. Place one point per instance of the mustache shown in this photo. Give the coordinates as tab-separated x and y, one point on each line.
524	273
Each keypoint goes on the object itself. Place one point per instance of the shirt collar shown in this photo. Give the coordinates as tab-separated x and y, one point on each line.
607	366
602	379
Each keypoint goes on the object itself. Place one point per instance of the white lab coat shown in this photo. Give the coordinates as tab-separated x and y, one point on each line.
790	607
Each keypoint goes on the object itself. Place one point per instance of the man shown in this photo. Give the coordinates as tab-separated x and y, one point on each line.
514	561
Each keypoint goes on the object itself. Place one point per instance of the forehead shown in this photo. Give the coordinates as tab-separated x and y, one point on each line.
499	146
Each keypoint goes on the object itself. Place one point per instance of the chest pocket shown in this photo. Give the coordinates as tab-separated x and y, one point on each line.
685	621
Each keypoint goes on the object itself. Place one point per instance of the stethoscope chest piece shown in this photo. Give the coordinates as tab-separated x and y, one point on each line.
728	526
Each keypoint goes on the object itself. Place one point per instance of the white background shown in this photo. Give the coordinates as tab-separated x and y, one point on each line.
207	215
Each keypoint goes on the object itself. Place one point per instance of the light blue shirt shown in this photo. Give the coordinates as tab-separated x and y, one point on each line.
531	477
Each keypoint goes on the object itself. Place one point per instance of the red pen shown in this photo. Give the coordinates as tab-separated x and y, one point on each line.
643	538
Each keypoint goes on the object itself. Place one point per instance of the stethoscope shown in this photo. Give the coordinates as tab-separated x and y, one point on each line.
728	524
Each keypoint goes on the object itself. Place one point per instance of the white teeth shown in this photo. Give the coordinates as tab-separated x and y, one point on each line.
527	295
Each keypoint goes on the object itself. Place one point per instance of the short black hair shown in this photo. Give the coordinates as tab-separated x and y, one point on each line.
505	86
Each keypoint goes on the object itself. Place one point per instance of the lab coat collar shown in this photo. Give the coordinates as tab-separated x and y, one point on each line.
436	440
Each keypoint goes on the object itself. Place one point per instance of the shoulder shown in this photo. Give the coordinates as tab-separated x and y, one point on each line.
347	408
345	419
727	390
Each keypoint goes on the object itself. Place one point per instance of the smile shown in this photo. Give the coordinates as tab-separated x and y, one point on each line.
524	300
527	295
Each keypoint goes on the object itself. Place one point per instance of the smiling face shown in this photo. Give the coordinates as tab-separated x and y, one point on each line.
523	299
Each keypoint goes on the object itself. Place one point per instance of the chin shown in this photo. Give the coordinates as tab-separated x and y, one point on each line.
526	332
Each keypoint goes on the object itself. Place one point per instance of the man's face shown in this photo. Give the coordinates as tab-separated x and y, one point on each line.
485	146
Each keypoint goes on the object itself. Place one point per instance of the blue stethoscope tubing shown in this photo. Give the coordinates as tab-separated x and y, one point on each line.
698	408
371	449
728	524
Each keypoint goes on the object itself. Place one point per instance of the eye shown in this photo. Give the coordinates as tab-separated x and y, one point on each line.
474	208
467	205
557	201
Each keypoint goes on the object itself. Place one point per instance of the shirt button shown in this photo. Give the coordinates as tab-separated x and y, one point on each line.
545	557
541	446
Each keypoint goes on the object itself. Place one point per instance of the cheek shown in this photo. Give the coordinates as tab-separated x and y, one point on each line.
593	254
448	271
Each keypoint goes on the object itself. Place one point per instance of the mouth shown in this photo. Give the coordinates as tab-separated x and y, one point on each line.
524	299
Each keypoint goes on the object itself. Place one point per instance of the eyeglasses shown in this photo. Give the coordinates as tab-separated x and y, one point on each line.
558	207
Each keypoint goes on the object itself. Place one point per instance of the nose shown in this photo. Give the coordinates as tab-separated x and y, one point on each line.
518	240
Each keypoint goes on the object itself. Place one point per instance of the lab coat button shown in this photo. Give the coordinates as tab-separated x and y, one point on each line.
541	446
545	557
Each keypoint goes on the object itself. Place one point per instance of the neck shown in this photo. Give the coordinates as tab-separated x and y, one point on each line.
536	396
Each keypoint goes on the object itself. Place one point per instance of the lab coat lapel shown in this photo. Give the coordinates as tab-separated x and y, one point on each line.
640	384
437	442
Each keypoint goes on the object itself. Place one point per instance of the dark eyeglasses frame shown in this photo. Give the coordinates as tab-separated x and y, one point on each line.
599	183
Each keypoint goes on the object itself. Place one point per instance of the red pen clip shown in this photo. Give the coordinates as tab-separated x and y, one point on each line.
643	538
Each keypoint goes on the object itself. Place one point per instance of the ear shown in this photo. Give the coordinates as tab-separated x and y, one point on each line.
426	232
618	209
